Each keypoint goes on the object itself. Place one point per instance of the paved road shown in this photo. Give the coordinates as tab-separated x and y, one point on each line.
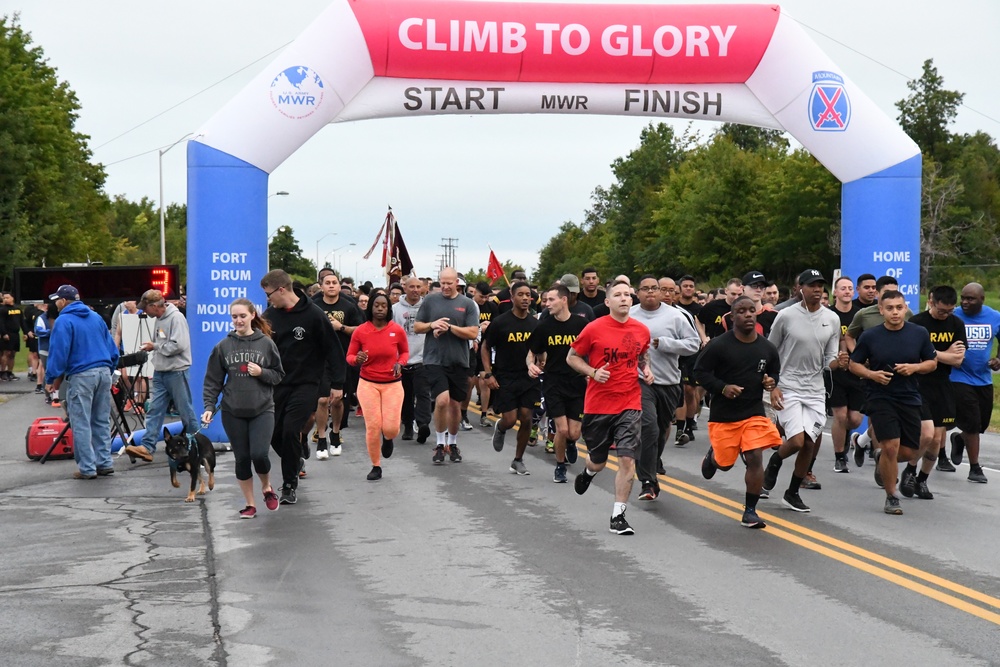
467	564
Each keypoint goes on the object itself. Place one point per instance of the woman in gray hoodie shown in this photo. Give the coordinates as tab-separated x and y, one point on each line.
244	367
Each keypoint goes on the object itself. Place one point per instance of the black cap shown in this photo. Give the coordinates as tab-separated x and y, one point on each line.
754	278
810	276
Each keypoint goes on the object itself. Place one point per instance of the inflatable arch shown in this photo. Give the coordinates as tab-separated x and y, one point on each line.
364	59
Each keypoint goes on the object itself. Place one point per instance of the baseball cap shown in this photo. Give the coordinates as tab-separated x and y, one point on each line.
753	278
810	276
571	282
67	292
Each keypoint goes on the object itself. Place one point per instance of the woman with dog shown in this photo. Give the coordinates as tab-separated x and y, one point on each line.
380	349
245	367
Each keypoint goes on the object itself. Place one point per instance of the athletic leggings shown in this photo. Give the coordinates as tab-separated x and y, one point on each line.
251	441
382	405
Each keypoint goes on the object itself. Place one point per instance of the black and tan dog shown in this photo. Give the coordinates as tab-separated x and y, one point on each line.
185	457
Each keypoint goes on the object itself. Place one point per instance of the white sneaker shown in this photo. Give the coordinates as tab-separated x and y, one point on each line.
322	455
335	451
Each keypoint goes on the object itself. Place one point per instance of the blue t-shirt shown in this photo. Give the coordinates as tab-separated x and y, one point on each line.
980	330
883	349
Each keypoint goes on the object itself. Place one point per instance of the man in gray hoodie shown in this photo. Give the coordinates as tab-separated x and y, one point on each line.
171	348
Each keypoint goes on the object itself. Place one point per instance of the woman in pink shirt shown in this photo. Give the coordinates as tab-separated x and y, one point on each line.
379	348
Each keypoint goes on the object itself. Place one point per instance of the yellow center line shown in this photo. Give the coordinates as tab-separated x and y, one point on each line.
825	545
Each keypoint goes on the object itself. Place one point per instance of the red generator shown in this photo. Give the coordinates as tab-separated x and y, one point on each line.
42	433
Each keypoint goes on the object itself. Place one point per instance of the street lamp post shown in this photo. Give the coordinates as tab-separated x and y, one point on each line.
317	246
163	234
334	263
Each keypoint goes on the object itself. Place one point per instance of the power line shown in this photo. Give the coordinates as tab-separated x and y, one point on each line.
185	100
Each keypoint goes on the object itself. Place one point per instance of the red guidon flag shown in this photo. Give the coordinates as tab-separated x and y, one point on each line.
494	270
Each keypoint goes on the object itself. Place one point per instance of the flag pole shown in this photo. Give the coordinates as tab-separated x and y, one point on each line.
504	273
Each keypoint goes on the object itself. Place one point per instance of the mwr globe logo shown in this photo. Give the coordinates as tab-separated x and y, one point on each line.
297	92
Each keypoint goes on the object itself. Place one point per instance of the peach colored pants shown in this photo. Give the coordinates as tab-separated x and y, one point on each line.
381	405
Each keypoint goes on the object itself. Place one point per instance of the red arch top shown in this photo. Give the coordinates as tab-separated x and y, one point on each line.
496	41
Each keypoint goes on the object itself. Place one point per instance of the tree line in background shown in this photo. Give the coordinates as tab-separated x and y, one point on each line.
743	199
714	207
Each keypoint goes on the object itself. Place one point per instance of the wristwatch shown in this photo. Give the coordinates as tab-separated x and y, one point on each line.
487	376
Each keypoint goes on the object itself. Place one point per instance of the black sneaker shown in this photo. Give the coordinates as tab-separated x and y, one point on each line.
559	476
572	453
751	520
689	432
976	474
922	491
387	447
771	472
708	465
859	451
408	432
287	496
660	470
456	454
423	432
840	465
908	484
620	526
438	455
957	448
944	464
582	482
892	506
498	437
375	474
681	439
764	493
648	491
793	502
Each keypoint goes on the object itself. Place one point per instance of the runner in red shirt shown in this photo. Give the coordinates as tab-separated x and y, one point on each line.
612	351
379	347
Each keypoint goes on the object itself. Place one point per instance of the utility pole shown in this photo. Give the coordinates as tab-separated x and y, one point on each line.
448	246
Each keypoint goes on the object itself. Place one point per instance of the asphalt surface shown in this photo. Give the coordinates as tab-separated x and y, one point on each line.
468	564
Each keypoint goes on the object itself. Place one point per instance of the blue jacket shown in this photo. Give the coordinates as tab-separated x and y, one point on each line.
79	341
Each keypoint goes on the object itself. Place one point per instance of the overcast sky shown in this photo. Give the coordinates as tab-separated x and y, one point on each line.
507	180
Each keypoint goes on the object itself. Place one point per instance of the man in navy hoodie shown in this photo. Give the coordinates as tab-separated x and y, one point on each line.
82	355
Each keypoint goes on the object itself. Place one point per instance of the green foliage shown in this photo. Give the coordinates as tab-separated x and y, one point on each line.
284	252
926	114
51	204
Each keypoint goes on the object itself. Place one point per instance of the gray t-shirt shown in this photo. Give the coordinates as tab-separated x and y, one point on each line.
447	349
807	342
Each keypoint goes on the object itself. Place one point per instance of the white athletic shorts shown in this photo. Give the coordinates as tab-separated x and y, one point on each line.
802	414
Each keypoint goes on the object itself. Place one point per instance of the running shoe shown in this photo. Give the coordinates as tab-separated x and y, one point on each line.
498	437
248	512
689	432
764	494
771	472
976	474
751	520
892	505
582	482
840	465
387	447
315	436
484	421
438	455
322	455
288	496
708	465
375	474
794	502
572	453
423	432
335	450
559	476
302	468
619	525
105	472
532	437
957	448
944	464
810	482
648	492
465	425
859	451
518	468
681	439
550	447
922	491
408	432
908	483
271	500
455	455
660	470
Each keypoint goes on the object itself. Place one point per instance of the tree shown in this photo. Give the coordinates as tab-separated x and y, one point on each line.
284	253
52	207
928	111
